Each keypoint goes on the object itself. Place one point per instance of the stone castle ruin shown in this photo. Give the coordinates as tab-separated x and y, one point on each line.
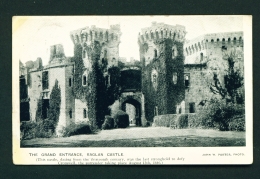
170	78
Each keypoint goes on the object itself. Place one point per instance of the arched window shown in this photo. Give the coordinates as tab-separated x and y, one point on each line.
229	39
212	40
155	53
84	113
146	35
162	33
187	80
175	78
84	80
112	36
101	35
240	39
217	39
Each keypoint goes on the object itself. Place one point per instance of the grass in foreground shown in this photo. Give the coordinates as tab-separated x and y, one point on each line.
187	141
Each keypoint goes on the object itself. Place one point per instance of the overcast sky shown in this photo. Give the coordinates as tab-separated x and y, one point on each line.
32	36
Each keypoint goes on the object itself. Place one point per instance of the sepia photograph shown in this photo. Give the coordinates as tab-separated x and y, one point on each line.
155	85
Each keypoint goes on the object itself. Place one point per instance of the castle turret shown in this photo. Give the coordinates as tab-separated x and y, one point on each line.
106	41
161	53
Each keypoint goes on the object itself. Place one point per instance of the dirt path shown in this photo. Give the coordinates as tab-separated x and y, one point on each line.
138	134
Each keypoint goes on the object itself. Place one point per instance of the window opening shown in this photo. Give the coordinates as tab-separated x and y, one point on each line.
155	53
201	57
84	113
70	81
70	113
187	81
192	107
45	80
84	80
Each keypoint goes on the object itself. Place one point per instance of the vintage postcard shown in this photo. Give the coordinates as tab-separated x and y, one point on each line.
132	90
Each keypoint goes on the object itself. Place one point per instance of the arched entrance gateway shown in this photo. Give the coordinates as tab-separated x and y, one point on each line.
132	99
133	104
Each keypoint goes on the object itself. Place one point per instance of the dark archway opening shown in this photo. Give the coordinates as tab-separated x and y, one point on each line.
133	109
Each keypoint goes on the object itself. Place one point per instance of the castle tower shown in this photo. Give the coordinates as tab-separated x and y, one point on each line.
161	54
204	55
98	44
92	47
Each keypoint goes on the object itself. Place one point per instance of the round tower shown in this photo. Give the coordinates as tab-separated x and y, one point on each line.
161	54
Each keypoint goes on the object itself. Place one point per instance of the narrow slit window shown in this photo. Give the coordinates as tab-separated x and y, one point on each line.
84	113
155	53
70	82
84	80
70	113
187	81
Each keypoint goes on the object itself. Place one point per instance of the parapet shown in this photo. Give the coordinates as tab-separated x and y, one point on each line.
89	34
162	31
203	41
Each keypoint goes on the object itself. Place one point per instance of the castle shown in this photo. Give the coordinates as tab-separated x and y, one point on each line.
171	76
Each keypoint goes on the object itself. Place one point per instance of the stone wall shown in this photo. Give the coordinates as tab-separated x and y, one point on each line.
198	89
34	91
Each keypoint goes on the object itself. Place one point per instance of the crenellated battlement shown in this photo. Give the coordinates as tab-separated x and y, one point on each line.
162	31
213	40
90	34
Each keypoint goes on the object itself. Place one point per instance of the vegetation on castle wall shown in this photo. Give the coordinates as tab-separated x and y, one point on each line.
113	90
54	105
97	94
226	108
167	95
233	80
175	92
44	128
38	115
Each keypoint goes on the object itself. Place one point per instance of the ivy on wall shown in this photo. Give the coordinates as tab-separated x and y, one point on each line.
54	104
167	94
97	94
